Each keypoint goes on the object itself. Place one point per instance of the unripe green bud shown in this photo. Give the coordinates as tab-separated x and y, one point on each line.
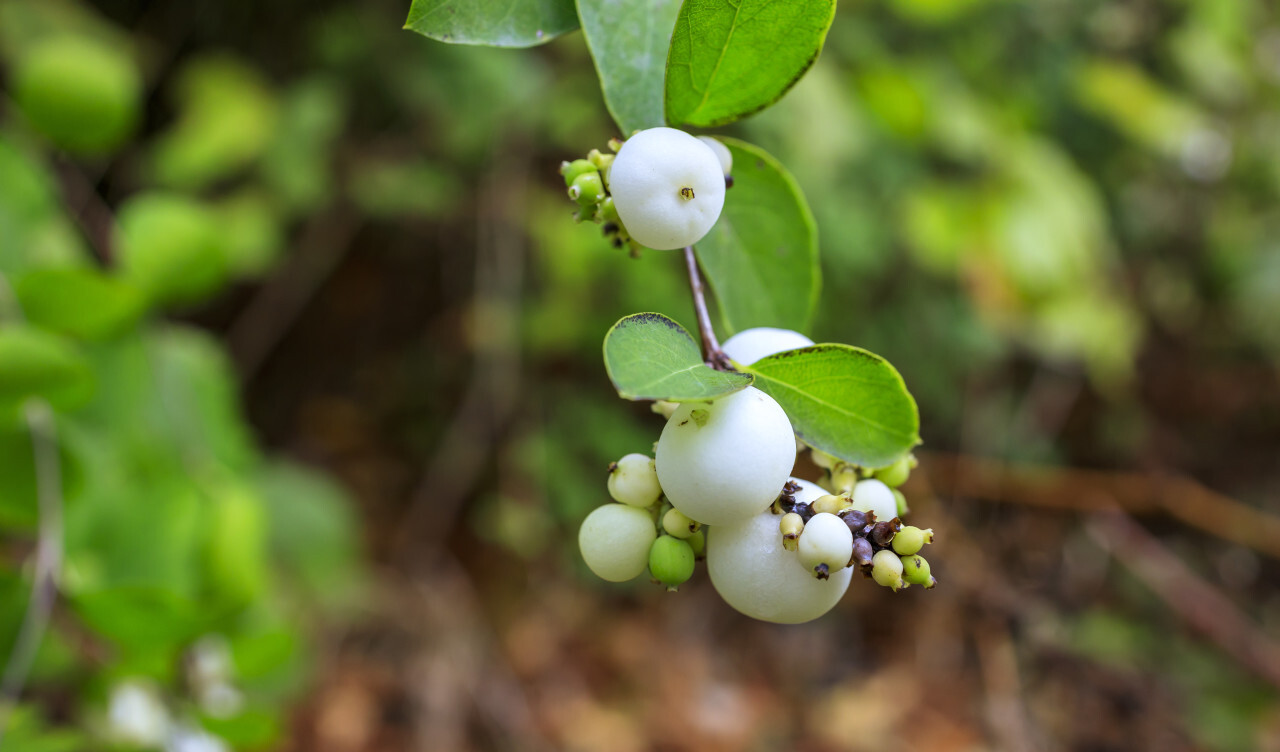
698	542
679	525
896	474
600	160
823	460
571	170
671	561
886	570
830	503
609	213
901	499
911	539
791	526
587	189
915	570
844	478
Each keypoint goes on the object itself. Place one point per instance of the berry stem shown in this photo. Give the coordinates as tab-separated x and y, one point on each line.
711	351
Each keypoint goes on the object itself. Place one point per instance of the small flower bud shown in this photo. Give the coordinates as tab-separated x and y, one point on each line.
679	525
615	145
571	170
791	526
671	561
831	504
886	570
664	408
915	570
897	473
901	499
590	189
844	478
909	540
698	542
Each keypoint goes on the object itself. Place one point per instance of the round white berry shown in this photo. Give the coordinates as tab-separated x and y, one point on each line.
872	495
750	345
615	541
726	460
668	188
721	151
827	541
633	480
757	576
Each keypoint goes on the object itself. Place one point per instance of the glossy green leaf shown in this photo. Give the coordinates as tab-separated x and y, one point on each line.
730	58
497	23
629	43
650	357
79	302
761	257
843	400
34	363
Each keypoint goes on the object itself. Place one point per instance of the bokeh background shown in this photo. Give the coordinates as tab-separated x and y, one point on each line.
322	347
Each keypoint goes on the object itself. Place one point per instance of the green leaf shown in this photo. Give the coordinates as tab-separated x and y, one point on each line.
34	363
629	43
730	59
497	23
761	257
171	247
843	400
650	357
140	619
79	302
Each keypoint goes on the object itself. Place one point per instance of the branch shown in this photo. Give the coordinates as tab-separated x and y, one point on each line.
87	207
711	351
48	565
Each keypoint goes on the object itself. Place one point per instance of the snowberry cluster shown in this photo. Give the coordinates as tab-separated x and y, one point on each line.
662	189
719	486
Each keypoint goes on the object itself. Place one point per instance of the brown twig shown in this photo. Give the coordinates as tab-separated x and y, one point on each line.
1199	604
711	351
1099	490
90	211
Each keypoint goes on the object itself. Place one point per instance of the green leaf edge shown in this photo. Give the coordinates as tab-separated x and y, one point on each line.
811	224
445	39
673	324
763	383
666	111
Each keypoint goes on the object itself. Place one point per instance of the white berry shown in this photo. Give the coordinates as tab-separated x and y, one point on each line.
754	574
750	345
722	153
872	495
826	542
615	541
725	461
668	188
633	480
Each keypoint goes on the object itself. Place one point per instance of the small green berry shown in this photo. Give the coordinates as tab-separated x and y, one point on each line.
698	542
886	570
678	524
823	460
915	570
897	473
571	170
671	561
899	497
587	189
844	478
909	540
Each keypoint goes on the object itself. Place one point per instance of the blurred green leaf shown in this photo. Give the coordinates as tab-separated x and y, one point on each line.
629	43
251	729
235	549
498	23
28	732
843	400
81	93
252	232
226	117
313	533
140	619
650	357
728	60
297	166
19	505
171	247
387	188
761	257
33	230
78	302
35	363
